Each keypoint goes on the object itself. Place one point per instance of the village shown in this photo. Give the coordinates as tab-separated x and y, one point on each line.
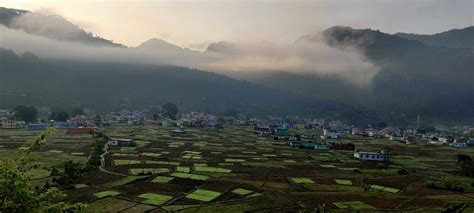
149	161
265	126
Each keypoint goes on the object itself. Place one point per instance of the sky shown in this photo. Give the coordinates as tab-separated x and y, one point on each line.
196	23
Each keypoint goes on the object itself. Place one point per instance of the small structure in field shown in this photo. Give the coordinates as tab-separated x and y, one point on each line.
381	156
178	133
121	142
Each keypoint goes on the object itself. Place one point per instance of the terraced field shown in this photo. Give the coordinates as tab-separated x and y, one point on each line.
60	148
233	170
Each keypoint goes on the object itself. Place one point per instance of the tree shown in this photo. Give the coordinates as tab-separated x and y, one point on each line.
15	193
77	111
231	112
170	110
466	164
381	125
59	116
470	134
26	113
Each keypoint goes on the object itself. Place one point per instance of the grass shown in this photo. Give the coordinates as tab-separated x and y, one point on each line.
80	186
264	164
211	169
343	182
353	205
126	162
109	204
143	171
189	176
149	154
125	180
103	194
203	195
384	188
184	169
176	208
241	191
162	179
39	173
302	180
233	160
155	199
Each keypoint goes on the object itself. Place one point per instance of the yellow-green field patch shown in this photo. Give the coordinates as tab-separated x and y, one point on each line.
343	182
302	180
241	191
155	199
106	194
203	195
162	179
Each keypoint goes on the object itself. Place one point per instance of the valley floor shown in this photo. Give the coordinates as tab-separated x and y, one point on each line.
233	170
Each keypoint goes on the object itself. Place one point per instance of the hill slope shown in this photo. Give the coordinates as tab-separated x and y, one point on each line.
456	38
413	78
104	86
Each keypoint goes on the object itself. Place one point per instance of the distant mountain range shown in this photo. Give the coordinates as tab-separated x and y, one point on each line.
430	75
456	38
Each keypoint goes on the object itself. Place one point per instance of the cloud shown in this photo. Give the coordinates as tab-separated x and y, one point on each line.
49	38
313	58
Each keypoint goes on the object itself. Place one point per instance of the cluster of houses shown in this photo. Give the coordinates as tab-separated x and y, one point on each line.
382	156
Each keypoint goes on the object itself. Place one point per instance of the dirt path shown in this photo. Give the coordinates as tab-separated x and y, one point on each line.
102	162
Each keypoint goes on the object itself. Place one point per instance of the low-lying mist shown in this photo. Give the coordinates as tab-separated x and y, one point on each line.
51	42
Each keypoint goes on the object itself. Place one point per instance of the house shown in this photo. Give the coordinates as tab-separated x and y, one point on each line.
328	134
178	133
264	131
342	146
121	142
280	133
38	126
289	126
381	156
71	131
307	145
9	124
458	145
64	125
438	141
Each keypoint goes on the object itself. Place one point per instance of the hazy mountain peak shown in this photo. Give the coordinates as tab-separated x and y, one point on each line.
50	26
156	43
221	47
